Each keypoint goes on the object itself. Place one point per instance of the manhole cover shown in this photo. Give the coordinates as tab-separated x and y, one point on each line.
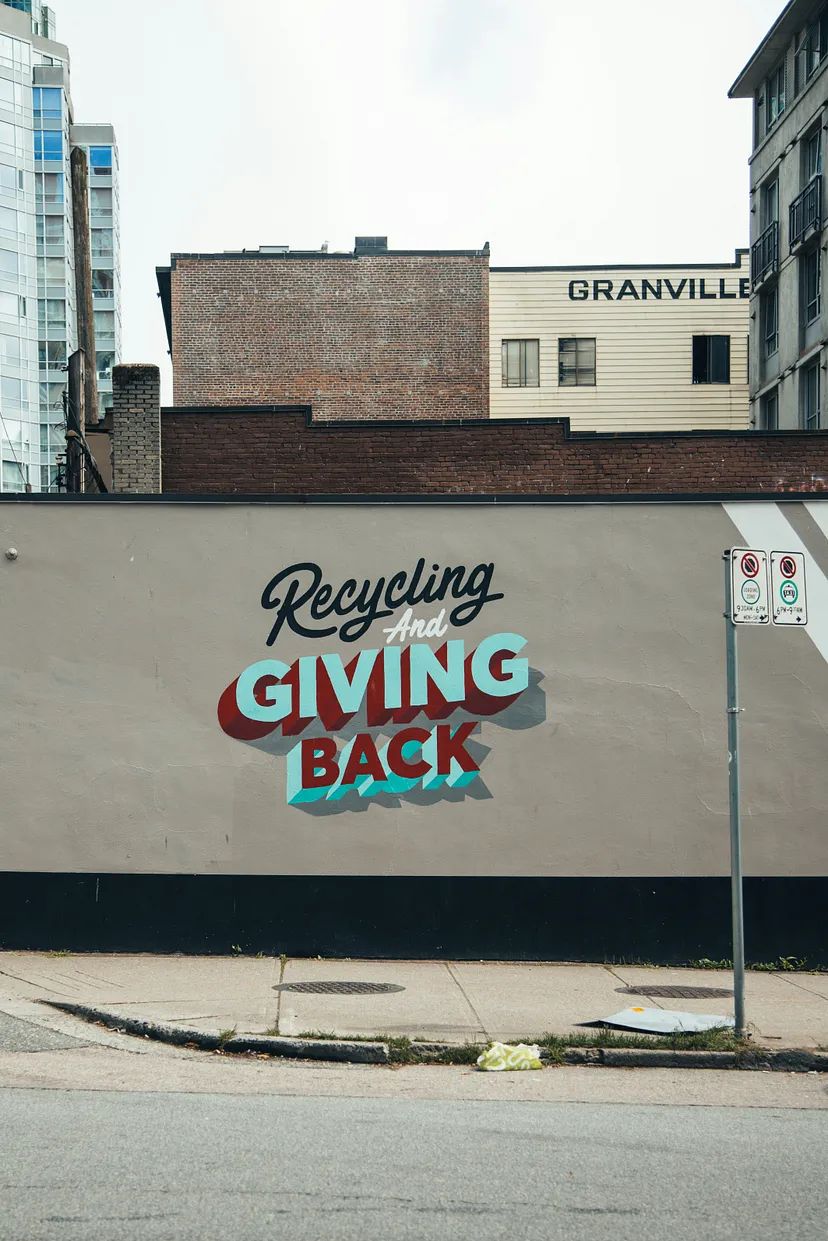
340	988
677	993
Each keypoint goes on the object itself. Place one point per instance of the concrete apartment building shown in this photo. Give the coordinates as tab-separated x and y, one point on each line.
786	79
38	310
378	333
628	348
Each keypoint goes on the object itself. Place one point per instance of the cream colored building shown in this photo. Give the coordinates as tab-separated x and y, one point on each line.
656	348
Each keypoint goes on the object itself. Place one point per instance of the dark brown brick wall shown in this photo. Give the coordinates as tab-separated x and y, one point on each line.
380	336
278	452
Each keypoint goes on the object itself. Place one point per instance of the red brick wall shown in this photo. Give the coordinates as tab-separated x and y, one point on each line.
280	453
380	336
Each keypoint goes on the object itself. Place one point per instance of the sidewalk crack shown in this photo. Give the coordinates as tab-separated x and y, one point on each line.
785	978
462	990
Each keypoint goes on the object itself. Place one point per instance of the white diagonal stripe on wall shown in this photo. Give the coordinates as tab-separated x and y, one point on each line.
764	527
819	512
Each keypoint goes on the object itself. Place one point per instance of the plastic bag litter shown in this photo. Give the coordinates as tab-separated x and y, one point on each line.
505	1056
664	1021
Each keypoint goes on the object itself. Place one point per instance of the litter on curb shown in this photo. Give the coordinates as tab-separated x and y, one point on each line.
664	1021
500	1057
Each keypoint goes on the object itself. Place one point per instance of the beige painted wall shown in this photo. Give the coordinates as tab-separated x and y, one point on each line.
123	623
644	346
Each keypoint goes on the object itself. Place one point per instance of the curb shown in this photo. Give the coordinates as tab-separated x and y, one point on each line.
180	1036
753	1059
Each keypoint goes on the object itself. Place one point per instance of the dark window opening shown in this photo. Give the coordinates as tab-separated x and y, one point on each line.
711	359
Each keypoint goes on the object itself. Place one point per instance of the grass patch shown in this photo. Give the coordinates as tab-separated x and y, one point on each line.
711	1040
225	1036
781	965
59	952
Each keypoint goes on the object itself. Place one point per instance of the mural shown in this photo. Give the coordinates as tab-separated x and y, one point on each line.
384	687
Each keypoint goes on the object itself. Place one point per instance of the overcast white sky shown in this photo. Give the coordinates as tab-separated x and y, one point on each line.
560	133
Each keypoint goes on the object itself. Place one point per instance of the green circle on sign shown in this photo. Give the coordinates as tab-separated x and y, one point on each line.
750	592
789	592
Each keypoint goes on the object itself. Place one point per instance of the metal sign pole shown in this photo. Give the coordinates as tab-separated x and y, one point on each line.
735	804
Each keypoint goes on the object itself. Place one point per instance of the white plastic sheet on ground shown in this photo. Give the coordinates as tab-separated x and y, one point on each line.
664	1021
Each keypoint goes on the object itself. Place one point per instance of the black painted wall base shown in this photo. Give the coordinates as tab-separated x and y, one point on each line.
665	921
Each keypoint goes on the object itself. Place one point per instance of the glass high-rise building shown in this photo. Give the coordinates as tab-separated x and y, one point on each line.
38	319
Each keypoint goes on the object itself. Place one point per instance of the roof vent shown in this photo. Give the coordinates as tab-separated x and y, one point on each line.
370	245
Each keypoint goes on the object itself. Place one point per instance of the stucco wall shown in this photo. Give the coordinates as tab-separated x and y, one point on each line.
127	622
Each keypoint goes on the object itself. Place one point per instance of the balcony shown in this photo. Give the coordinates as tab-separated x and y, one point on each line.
806	212
764	255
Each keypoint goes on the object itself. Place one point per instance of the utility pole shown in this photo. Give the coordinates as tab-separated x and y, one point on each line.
73	399
83	286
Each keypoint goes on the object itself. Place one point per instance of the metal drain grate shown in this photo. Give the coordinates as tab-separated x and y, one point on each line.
340	988
677	993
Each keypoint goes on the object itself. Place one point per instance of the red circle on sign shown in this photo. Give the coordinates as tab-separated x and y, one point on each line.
750	564
787	566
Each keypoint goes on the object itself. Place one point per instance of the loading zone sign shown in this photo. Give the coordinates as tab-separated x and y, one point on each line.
749	586
789	605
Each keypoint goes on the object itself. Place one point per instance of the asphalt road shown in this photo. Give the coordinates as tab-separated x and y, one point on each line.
124	1166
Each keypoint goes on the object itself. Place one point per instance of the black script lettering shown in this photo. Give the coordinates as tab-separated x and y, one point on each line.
583	290
722	289
656	292
675	293
302	587
602	287
627	289
290	604
480	579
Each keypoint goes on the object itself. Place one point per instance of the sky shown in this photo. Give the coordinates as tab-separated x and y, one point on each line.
560	133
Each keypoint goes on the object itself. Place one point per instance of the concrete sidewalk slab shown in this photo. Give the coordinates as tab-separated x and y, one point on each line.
525	1001
778	1012
442	1001
432	1006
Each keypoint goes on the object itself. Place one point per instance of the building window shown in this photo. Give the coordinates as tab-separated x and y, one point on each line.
15	476
101	242
769	411
576	362
520	363
50	230
8	222
775	92
46	103
810	278
770	204
105	325
11	96
812	156
100	161
770	322
48	188
811	51
104	363
52	355
51	271
103	282
809	396
100	201
711	359
15	53
48	144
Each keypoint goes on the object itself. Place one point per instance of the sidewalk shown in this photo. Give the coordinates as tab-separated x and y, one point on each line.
440	1001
